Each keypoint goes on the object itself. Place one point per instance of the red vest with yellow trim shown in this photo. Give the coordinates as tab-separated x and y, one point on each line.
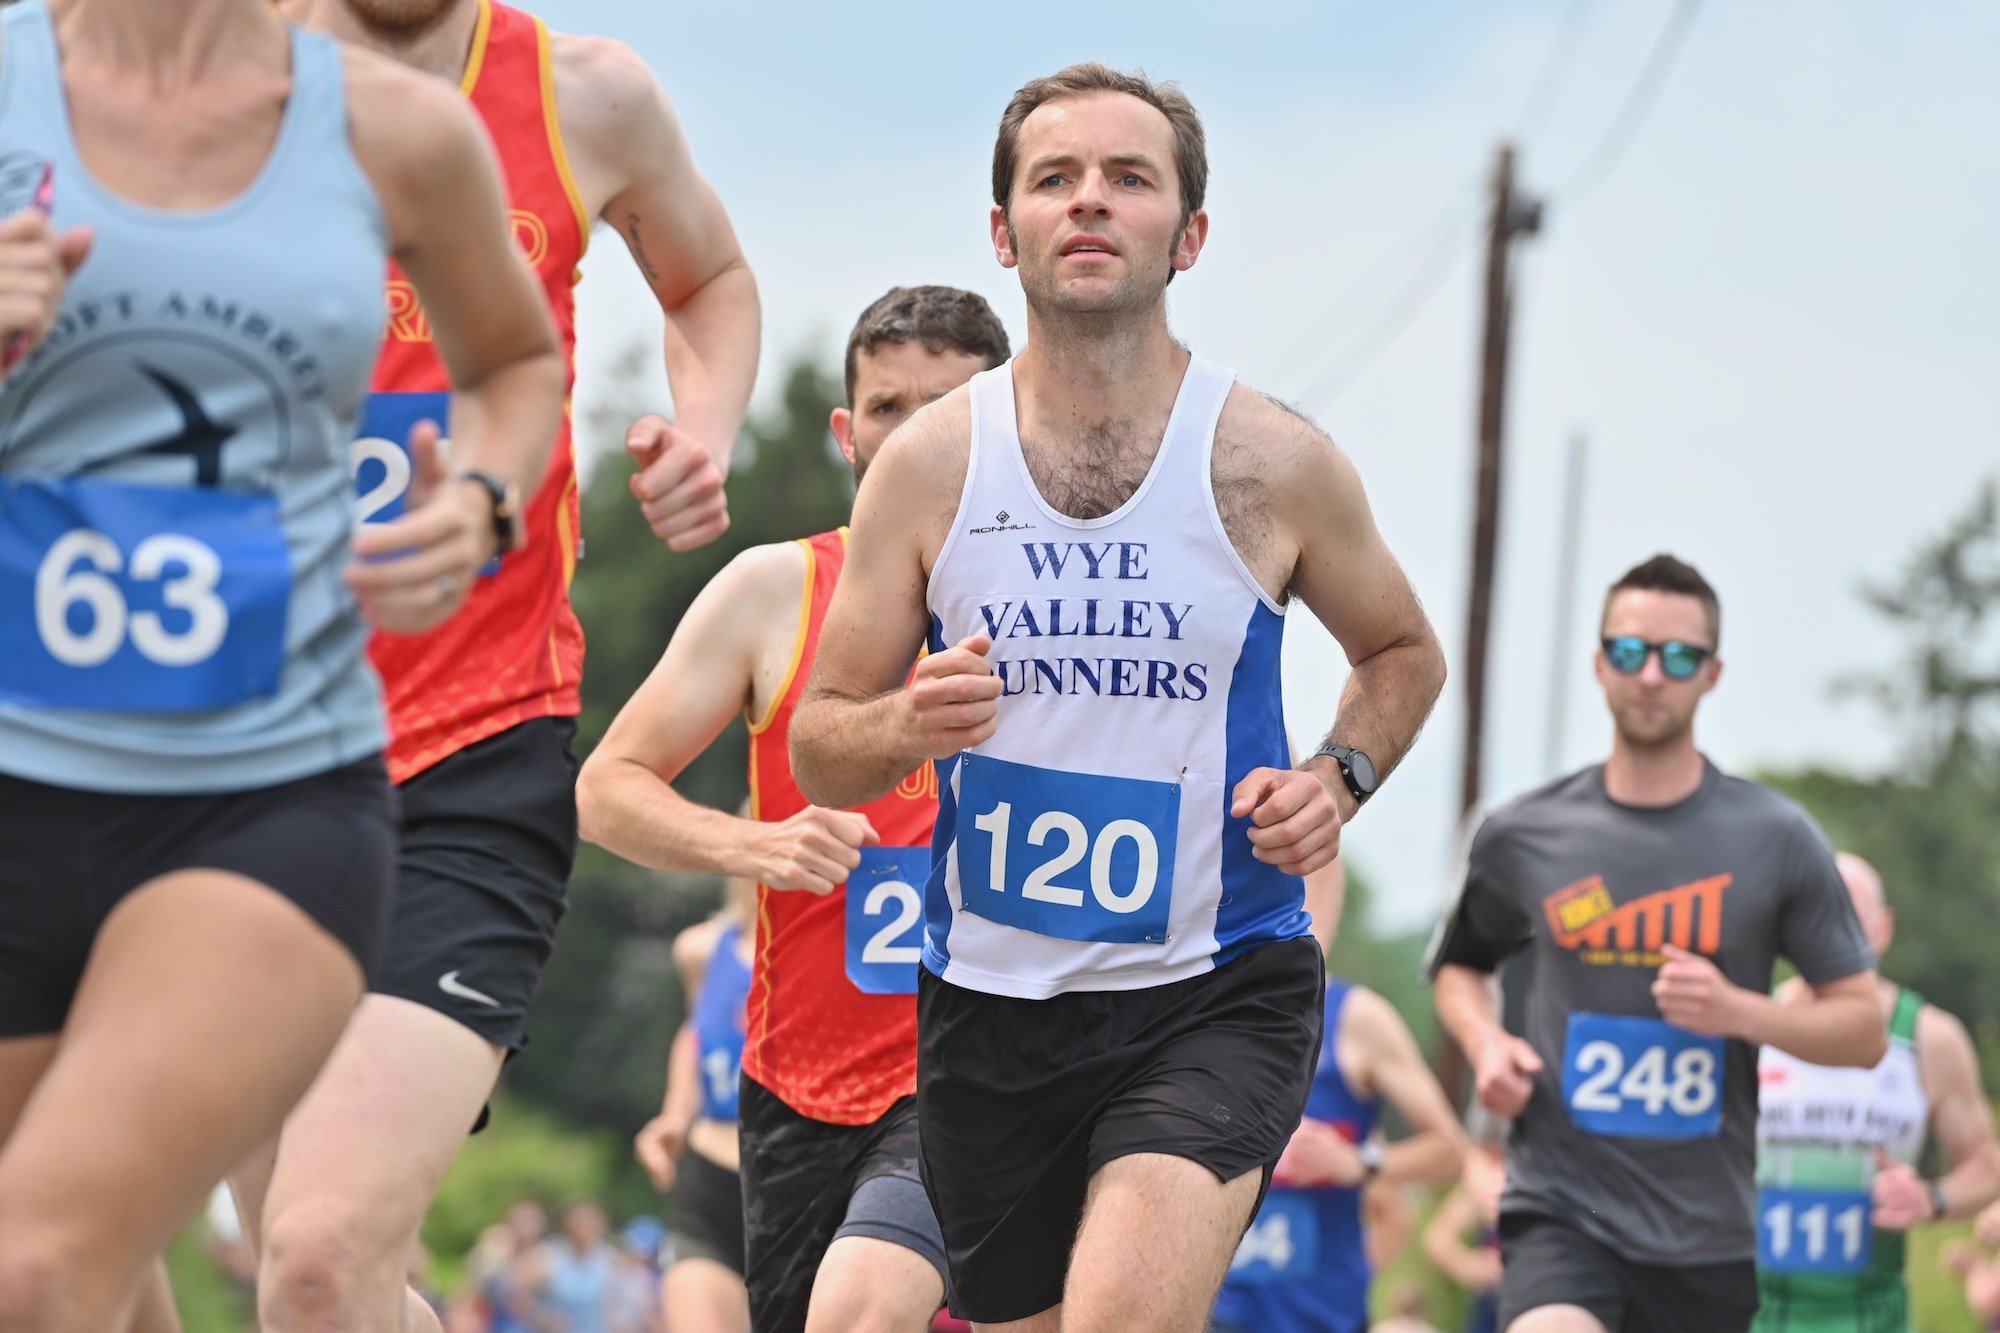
826	1049
515	651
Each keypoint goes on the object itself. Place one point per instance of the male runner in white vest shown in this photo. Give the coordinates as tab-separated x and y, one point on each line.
1120	1006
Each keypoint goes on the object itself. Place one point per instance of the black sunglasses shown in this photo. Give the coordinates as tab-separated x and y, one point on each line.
1627	654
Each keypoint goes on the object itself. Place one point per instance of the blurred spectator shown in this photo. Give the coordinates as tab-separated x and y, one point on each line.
1473	1209
492	1302
568	1278
1388	1222
633	1305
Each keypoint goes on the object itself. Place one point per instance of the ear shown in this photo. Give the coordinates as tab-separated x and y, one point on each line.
1712	674
842	422
1003	244
1193	237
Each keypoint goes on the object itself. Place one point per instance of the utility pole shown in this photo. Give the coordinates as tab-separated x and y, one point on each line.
1514	214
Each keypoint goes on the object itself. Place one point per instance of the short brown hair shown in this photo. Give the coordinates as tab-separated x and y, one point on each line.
1190	144
943	319
1664	573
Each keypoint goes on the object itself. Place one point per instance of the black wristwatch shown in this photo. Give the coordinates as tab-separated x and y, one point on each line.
1357	770
506	498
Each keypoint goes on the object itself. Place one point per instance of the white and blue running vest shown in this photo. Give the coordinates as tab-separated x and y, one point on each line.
1088	844
176	499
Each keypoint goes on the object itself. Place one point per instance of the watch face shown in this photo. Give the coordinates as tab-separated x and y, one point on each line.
1363	769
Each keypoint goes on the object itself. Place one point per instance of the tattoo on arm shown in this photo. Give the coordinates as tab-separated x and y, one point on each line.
646	264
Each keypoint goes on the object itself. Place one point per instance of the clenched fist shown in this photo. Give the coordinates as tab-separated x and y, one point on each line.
814	850
1295	824
1504	1075
1693	994
678	484
954	698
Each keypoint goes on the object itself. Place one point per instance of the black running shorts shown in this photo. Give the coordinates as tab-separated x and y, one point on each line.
1546	1261
67	858
807	1183
706	1213
488	837
1022	1101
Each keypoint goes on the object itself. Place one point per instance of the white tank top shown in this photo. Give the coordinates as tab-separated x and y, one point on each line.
1088	845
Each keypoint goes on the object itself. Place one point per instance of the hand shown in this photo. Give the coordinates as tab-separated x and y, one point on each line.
1957	1257
1504	1075
1902	1198
814	850
1693	994
1317	1156
658	1146
1986	1227
955	698
1482	1265
411	574
678	485
1296	825
35	267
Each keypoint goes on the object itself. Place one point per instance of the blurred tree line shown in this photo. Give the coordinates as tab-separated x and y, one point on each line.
1931	823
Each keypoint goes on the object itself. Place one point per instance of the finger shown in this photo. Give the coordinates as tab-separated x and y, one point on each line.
1287	855
427	467
1525	1058
1251	792
1675	953
977	644
962	738
417	570
419	527
941	691
75	247
671	465
645	435
670	519
1313	820
868	833
686	479
697	537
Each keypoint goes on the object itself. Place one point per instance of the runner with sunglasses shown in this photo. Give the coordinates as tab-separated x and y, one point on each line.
1653	894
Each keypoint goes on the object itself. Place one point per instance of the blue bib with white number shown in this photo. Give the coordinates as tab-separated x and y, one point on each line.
1072	855
1814	1231
382	465
885	919
1282	1244
1629	1077
140	598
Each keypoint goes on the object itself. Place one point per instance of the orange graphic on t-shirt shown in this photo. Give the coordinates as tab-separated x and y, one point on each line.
1689	916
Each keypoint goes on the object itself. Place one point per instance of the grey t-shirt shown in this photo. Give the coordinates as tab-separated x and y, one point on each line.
1594	888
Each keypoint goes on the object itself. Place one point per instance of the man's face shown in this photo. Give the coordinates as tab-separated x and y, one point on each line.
891	382
1095	224
1871	908
402	18
1650	709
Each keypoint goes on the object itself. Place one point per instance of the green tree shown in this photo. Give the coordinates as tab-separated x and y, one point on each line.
1931	824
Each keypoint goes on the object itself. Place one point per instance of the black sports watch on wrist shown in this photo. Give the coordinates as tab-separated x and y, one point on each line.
1370	1154
1357	770
506	498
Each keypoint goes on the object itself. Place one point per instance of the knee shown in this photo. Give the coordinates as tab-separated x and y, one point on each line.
850	1306
41	1281
323	1268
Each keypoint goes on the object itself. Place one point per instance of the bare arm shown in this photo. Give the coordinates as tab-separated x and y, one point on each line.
672	221
1349	579
1475	1268
626	802
1837	1023
1393	1069
1504	1066
434	170
1962	1122
858	729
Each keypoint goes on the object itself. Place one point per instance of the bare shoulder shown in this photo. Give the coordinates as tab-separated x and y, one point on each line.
1941	1033
919	474
1369	1019
694	946
411	131
604	91
1275	439
761	586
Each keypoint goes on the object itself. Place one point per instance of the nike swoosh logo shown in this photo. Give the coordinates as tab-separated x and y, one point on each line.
451	985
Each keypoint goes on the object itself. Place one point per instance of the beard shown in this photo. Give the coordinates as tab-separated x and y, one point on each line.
1662	732
401	20
1135	291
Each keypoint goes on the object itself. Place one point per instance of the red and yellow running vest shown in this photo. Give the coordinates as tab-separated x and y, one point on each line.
817	1042
516	651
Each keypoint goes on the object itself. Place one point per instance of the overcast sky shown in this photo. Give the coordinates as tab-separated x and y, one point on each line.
1770	319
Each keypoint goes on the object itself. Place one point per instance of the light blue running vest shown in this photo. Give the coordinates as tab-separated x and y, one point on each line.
176	500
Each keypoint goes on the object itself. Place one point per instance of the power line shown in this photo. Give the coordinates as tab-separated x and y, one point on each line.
1399	309
1555	68
1639	103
